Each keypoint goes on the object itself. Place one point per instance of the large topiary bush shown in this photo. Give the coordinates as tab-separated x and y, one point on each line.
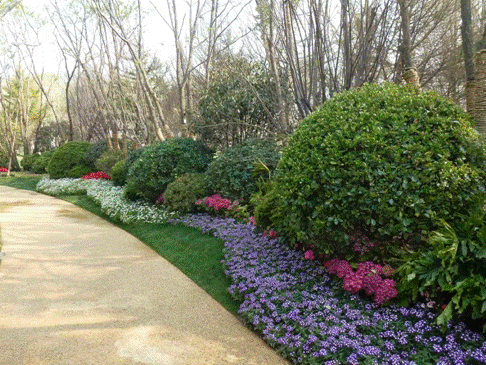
66	157
230	174
160	163
384	160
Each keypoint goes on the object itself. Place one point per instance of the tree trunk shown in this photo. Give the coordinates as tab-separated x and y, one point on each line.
467	45
477	93
347	44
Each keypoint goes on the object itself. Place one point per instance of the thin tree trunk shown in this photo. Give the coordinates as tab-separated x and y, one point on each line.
467	45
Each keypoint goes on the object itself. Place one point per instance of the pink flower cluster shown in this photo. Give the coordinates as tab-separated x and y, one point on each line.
270	233
97	175
309	255
218	205
217	202
3	169
252	220
367	277
160	199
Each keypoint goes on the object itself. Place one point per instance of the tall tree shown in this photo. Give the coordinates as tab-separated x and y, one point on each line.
467	44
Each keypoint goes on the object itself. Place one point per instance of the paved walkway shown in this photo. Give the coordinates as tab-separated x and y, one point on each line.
75	289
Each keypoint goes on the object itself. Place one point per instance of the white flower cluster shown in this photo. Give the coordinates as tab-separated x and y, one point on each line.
117	207
109	197
65	186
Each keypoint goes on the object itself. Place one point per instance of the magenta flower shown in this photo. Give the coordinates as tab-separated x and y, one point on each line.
96	175
309	255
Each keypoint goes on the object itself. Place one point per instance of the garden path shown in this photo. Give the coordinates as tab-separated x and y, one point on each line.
75	289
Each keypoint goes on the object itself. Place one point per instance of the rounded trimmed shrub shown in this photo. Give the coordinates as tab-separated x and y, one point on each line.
160	163
230	174
94	153
133	156
28	161
66	157
40	164
182	193
382	159
117	175
108	159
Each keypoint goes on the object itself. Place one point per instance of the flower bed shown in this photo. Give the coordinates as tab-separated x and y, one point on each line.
3	169
309	319
114	205
66	186
109	197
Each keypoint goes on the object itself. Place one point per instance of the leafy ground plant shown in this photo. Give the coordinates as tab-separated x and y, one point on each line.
309	319
452	268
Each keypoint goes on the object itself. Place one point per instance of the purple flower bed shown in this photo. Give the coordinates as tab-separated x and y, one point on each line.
309	319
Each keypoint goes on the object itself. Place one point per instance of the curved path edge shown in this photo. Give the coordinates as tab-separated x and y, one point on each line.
75	289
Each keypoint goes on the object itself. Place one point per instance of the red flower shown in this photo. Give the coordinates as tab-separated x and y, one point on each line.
3	169
96	175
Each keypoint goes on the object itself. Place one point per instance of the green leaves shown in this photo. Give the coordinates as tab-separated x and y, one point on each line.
66	157
452	266
157	165
382	159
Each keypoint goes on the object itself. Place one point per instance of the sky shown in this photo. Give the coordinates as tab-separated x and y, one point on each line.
157	38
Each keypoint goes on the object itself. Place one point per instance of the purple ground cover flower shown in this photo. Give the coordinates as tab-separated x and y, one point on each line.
310	319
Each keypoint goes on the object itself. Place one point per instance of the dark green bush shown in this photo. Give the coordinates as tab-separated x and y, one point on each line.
117	175
108	159
160	163
133	156
28	161
451	268
94	153
182	193
384	160
230	174
79	171
66	157
40	164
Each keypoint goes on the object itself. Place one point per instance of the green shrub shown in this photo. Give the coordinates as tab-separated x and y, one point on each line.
108	159
452	268
66	157
230	174
79	171
28	161
117	175
94	153
160	163
132	157
182	193
384	160
40	164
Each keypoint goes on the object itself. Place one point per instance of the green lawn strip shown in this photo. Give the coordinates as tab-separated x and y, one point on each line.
198	256
20	180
